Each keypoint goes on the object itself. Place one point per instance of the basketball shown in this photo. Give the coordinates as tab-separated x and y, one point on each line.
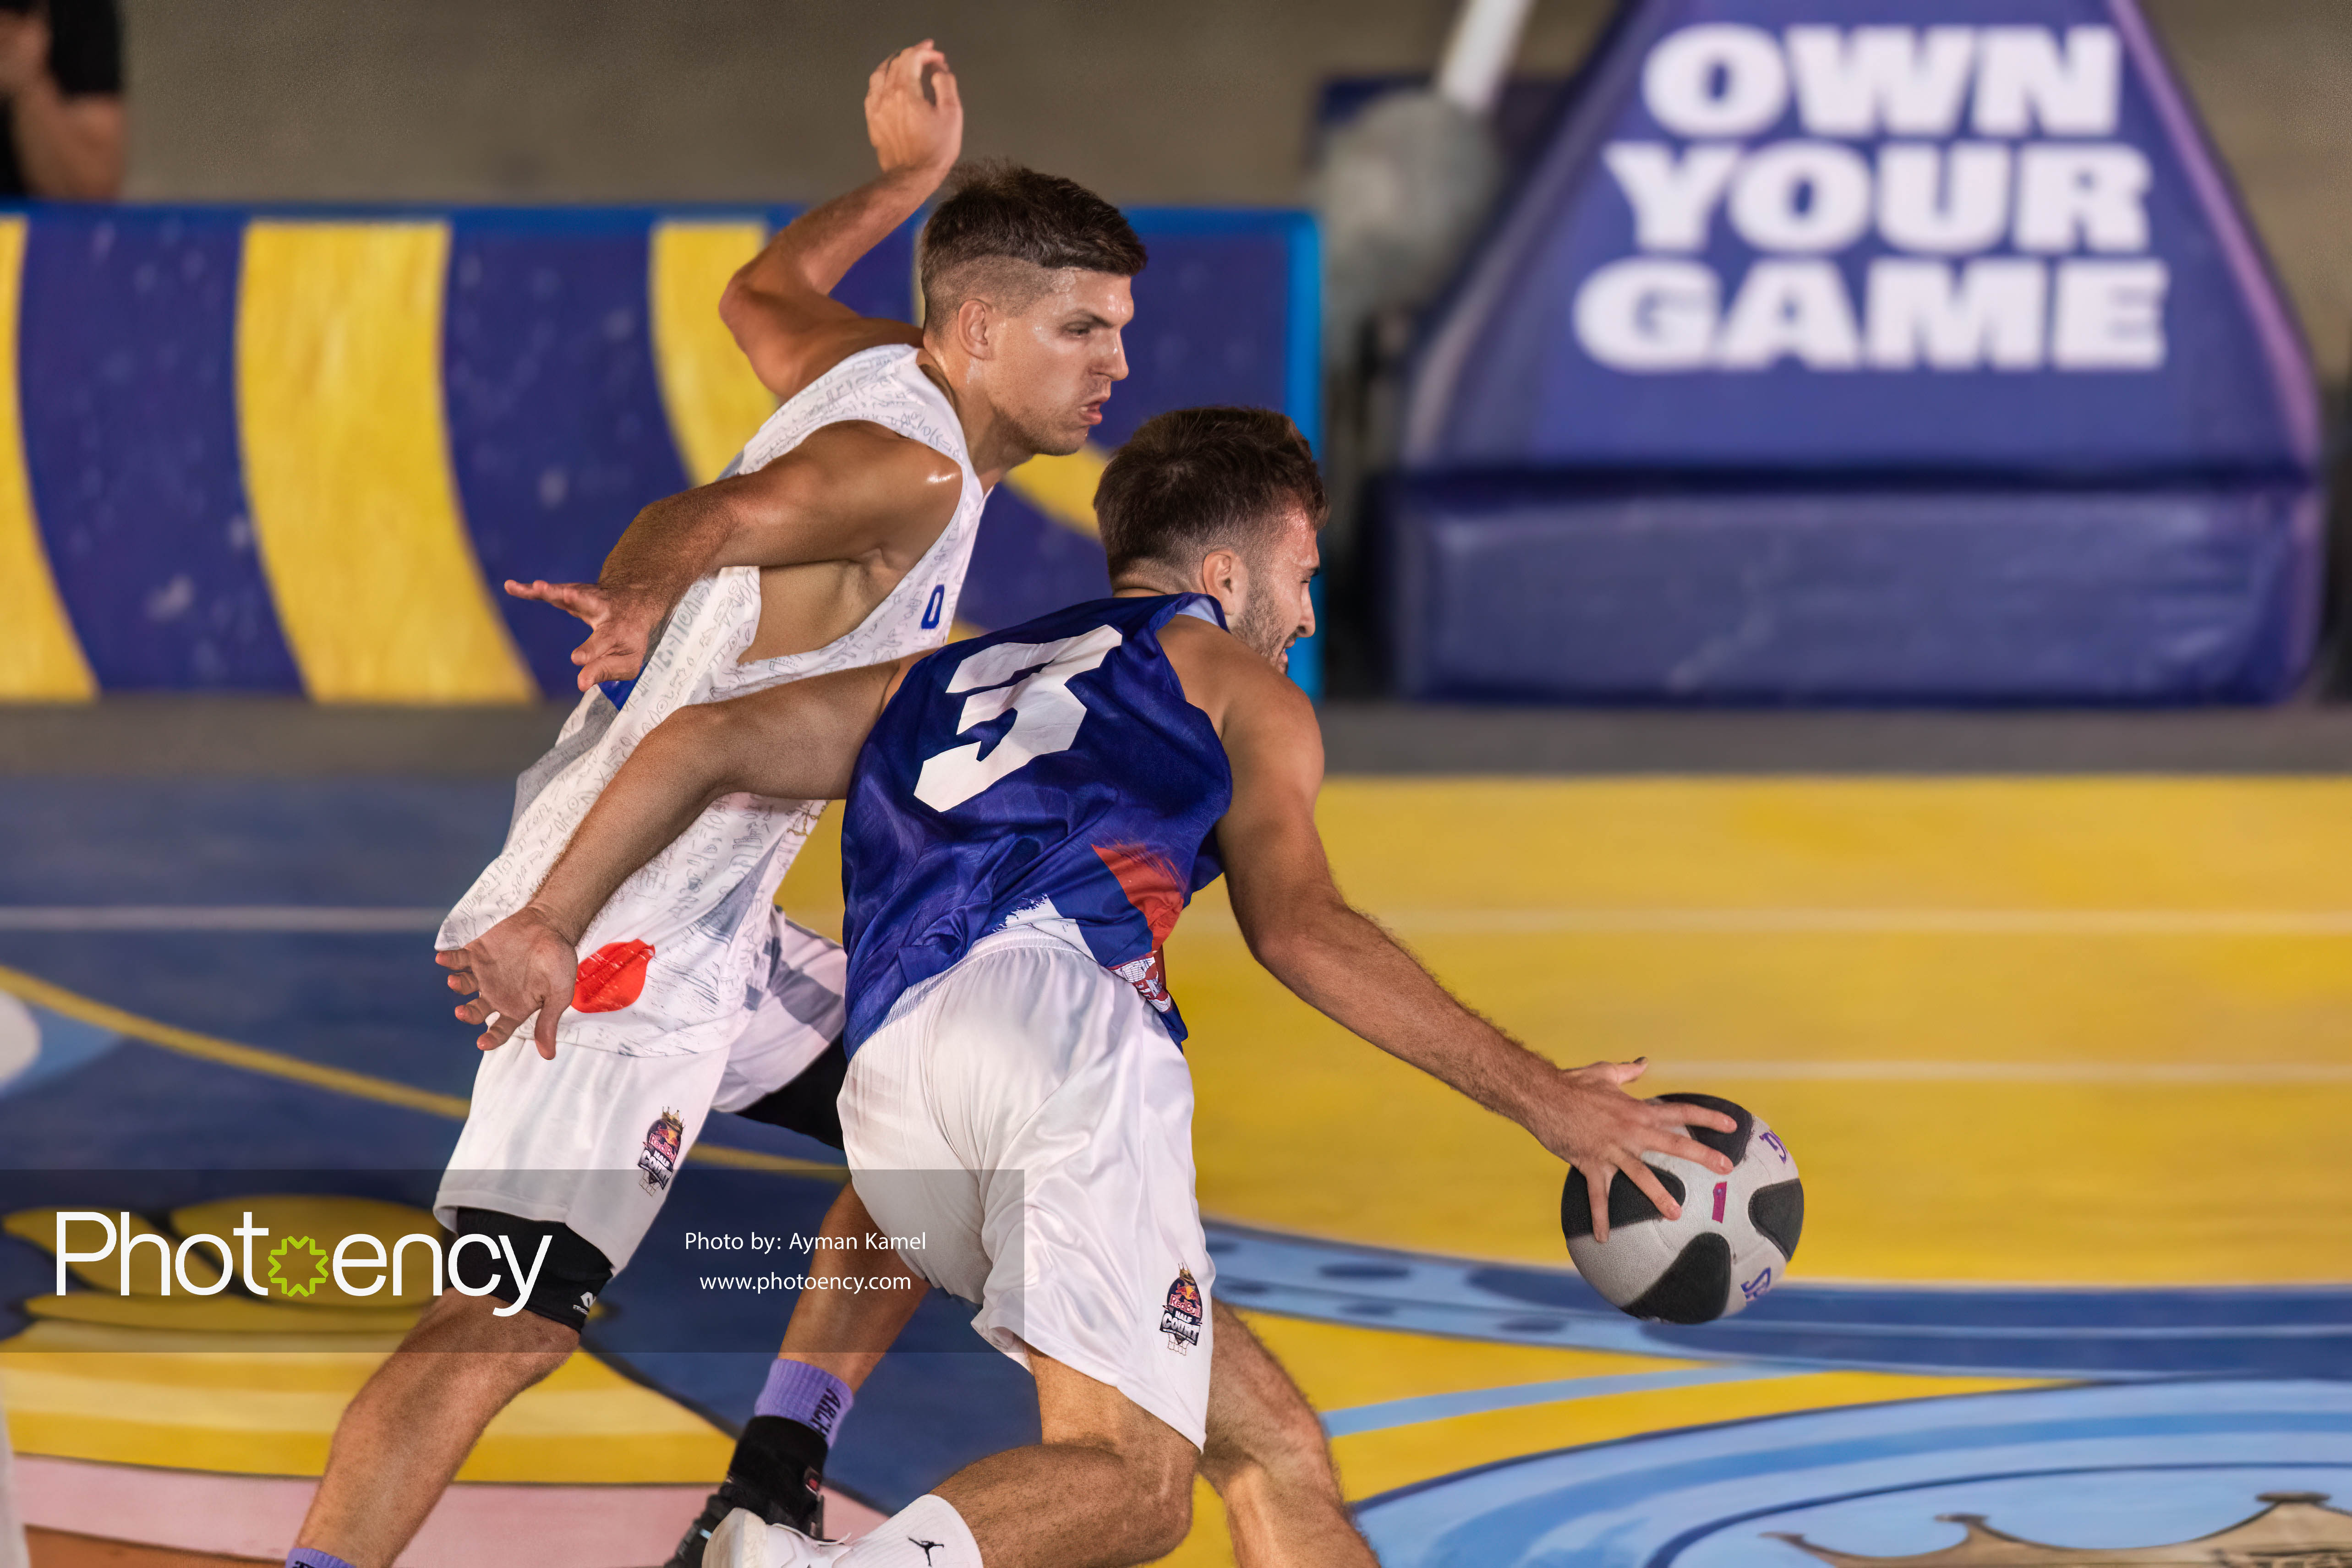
1733	1243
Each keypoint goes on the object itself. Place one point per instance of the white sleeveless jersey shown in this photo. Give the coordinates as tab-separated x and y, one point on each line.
669	966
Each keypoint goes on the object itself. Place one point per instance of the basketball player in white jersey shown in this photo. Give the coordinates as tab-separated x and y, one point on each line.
841	541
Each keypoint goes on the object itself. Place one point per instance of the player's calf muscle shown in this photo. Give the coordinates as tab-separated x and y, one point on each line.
409	1430
844	1328
1262	1432
1110	1485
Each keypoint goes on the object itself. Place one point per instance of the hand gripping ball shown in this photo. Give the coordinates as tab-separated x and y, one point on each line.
1732	1244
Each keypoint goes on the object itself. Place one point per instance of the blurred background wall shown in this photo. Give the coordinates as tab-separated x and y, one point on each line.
599	100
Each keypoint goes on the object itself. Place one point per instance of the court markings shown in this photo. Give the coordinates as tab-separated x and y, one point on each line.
1891	920
2111	1470
1215	919
1477	1401
1383	1403
316	1075
266	919
2157	1075
1807	1323
1661	916
1410	1408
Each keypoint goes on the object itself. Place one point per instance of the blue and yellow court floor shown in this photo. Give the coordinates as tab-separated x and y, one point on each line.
2066	1064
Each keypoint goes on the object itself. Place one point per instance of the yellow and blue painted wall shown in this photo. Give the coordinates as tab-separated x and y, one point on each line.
296	451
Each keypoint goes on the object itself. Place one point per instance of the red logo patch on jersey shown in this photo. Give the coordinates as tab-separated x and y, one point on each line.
1154	886
612	976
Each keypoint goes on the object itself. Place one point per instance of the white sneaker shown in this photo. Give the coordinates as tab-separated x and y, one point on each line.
744	1540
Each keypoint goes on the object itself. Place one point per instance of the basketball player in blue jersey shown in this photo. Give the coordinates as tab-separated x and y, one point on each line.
1029	812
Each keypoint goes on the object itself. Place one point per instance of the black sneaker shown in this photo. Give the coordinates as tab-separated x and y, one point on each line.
805	1513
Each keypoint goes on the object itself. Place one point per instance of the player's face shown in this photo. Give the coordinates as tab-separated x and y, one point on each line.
1057	360
1280	608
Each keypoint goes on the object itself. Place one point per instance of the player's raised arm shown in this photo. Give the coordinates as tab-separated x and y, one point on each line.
850	489
1347	967
797	741
779	306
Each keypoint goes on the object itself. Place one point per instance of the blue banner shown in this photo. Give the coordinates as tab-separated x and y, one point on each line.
1782	246
1836	234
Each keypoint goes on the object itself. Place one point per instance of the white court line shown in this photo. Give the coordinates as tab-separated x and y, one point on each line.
254	917
1935	922
2186	1073
1557	920
1601	921
301	918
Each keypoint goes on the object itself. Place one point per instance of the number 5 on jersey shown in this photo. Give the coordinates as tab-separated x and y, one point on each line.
1045	713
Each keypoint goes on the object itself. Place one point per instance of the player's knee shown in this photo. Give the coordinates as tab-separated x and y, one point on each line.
1290	1469
1163	1502
497	1336
1295	1453
1281	1459
1263	1433
462	1340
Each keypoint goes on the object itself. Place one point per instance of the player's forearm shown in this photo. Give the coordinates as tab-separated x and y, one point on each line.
1349	970
670	543
798	741
71	150
656	796
815	251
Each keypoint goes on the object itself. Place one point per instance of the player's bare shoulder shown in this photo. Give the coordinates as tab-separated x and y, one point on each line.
792	344
856	507
1225	679
904	491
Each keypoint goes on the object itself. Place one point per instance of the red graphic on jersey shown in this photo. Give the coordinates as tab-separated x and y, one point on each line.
1155	887
1156	891
612	976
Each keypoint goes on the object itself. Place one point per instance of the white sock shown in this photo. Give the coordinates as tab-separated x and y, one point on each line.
900	1542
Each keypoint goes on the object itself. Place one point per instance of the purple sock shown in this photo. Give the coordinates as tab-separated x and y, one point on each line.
809	1395
311	1557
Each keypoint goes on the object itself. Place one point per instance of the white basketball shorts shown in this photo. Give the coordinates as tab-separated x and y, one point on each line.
1026	1118
593	1138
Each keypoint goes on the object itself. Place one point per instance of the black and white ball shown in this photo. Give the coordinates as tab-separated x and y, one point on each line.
1732	1244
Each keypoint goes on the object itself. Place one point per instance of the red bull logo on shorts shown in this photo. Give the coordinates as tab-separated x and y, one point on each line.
1180	1320
664	1140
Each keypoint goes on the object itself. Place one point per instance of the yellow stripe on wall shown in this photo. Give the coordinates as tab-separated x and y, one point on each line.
347	465
41	658
715	402
1063	487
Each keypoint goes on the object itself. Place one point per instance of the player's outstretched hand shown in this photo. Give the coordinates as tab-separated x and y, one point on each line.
1596	1126
521	967
619	626
913	114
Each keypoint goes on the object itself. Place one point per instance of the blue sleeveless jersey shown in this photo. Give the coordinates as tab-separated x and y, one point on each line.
1053	769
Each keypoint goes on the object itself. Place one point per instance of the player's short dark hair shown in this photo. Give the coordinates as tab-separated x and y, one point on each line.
998	213
1201	479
